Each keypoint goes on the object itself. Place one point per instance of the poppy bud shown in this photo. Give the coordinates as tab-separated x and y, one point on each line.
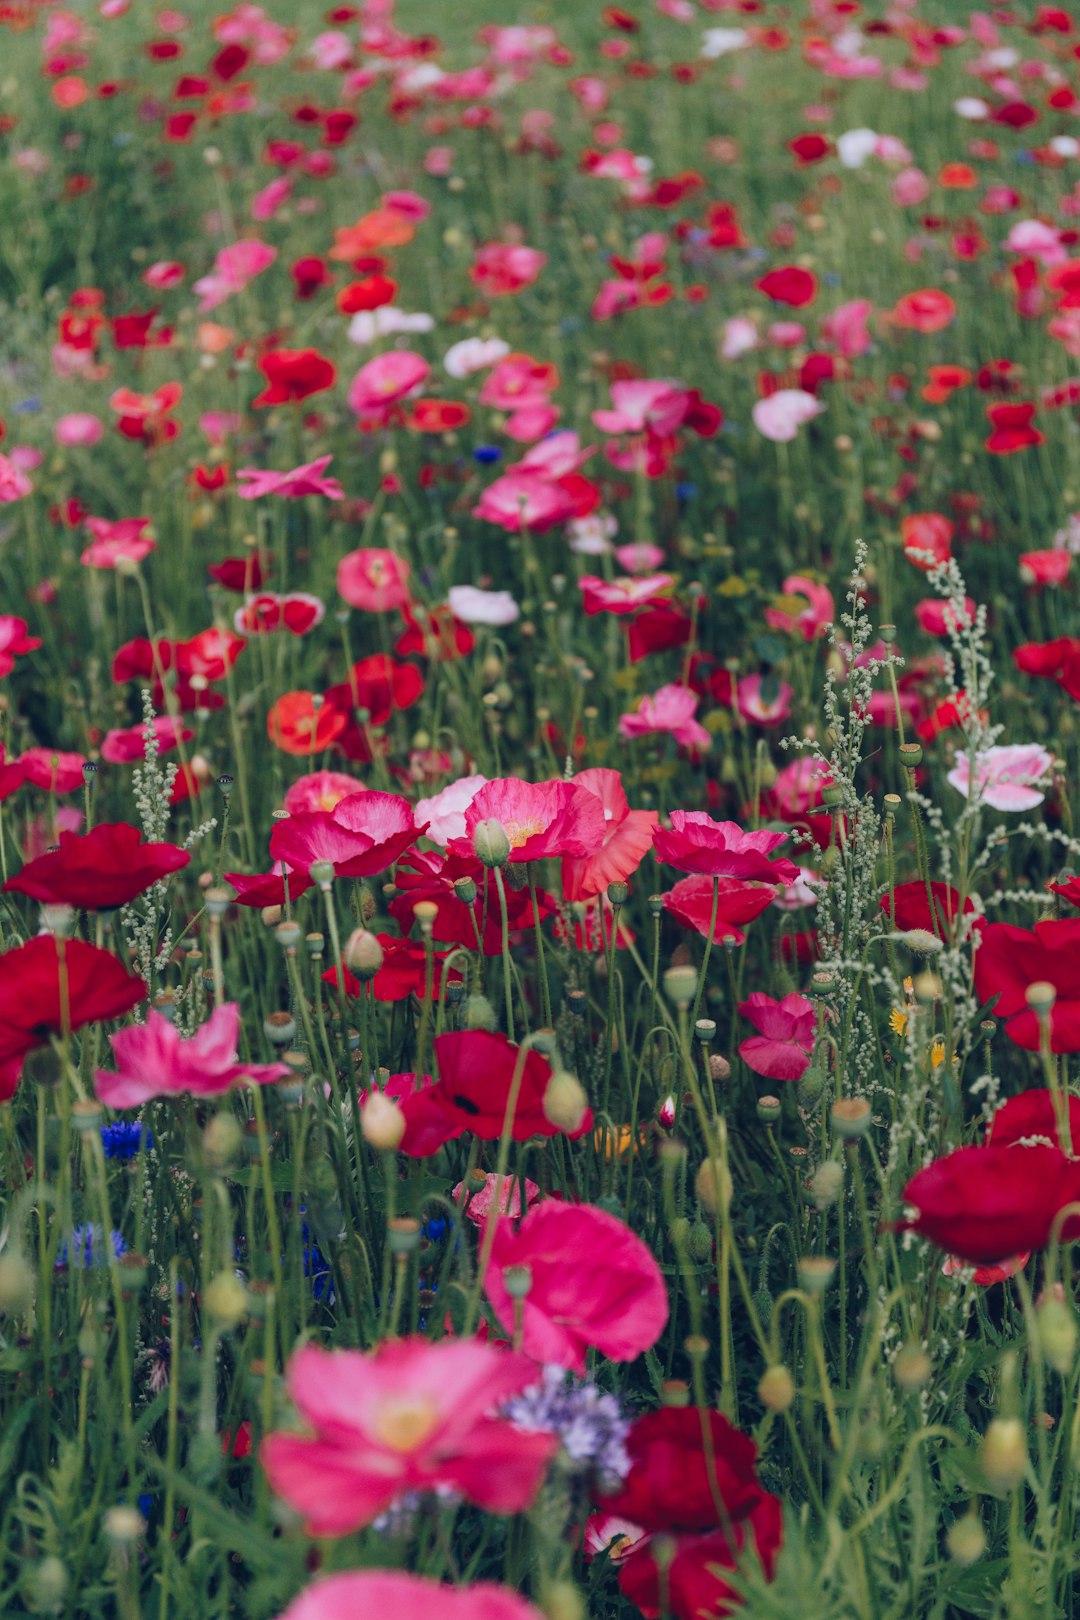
16	1282
287	934
826	1185
1057	1334
363	954
382	1122
920	940
719	1067
699	1242
912	1367
217	902
226	1299
124	1525
222	1140
966	1539
368	904
1003	1454
562	1601
490	842
565	1102
713	1185
49	1585
425	912
776	1389
479	1013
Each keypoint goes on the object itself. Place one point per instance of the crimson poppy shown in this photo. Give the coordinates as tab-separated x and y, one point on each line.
98	870
1012	429
1010	959
294	374
39	999
790	284
986	1204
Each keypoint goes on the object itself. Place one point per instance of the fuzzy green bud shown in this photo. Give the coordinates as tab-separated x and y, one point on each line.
1003	1454
1057	1334
478	1013
776	1389
490	842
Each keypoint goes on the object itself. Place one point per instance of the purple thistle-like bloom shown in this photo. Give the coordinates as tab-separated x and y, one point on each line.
591	1424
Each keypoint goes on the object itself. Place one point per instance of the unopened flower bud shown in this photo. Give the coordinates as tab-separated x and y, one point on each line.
226	1299
403	1235
363	954
222	1139
16	1282
719	1068
478	1013
1003	1454
966	1539
382	1122
714	1186
816	1273
826	1184
123	1525
561	1600
699	1242
49	1585
927	988
920	940
565	1102
1057	1334
490	842
425	912
776	1389
912	1367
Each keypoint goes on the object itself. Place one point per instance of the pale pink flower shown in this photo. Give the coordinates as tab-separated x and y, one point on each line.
639	557
781	415
252	482
523	500
234	268
443	815
482	1202
320	790
739	337
558	455
1036	241
398	1596
501	269
621	596
809	609
786	334
163	274
654	405
473	606
219	425
382	382
618	1537
671	709
910	187
846	327
471	355
14	484
122	542
153	1061
1004	776
78	428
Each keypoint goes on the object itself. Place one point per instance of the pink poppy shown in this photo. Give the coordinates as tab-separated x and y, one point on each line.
517	381
696	843
524	501
621	596
78	428
154	1061
115	543
14	642
1004	775
443	815
363	835
14	485
268	888
558	455
320	790
382	382
399	1596
502	269
626	840
808	608
939	617
846	328
781	415
1049	567
252	482
691	903
374	580
785	1043
671	710
764	701
538	818
128	745
594	1285
656	406
610	1533
234	268
481	1202
1035	240
263	614
409	1416
639	557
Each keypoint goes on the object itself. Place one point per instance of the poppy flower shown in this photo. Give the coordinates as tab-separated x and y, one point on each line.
1011	429
913	909
127	745
696	843
789	285
372	292
296	726
1033	1116
1009	959
927	538
503	269
374	580
674	1481
363	835
154	1060
476	1073
404	972
406	1597
376	685
780	415
1047	659
408	1416
98	870
943	381
669	710
1041	568
539	818
626	840
692	1583
928	310
382	382
125	541
784	1045
1004	776
987	1204
690	902
14	642
33	1007
42	768
234	268
268	888
292	375
432	877
254	482
595	1285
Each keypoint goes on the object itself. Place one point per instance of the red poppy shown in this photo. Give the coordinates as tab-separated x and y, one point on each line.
986	1204
913	908
296	726
1030	1115
476	1071
376	686
267	888
693	1584
1010	959
1012	429
372	292
310	275
98	870
96	985
294	374
790	284
928	310
404	972
691	901
674	1481
696	843
943	381
810	148
428	876
927	539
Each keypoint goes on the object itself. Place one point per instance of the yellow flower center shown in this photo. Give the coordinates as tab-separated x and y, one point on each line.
519	832
406	1421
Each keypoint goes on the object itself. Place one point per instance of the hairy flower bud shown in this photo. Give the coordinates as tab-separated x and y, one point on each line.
478	1013
363	954
1003	1454
490	842
382	1122
776	1389
565	1102
713	1185
1057	1334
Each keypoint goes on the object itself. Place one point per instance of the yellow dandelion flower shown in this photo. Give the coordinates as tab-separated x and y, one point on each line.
937	1052
898	1021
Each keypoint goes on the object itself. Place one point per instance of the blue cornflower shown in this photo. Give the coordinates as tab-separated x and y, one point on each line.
685	492
84	1249
28	407
485	454
123	1139
591	1424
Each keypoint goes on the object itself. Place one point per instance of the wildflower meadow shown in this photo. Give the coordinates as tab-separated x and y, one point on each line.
539	663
